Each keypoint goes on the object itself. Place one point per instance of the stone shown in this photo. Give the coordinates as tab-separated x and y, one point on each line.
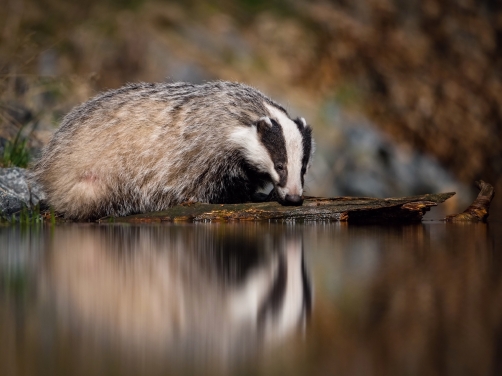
16	192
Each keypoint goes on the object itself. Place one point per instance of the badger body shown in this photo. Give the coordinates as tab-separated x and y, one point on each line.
146	147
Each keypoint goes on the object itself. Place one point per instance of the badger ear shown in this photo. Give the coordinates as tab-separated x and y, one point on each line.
263	124
301	123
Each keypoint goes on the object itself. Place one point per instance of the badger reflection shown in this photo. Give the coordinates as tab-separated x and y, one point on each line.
217	292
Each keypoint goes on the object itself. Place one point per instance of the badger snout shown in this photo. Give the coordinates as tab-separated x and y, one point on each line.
292	200
285	199
288	196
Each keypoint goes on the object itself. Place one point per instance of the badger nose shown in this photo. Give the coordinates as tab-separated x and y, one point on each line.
294	200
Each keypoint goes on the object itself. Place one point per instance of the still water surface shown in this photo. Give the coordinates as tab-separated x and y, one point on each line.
85	299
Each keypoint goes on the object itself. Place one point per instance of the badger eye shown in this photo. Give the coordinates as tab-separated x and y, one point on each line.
279	167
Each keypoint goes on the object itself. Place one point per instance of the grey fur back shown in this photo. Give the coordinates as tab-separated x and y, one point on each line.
146	147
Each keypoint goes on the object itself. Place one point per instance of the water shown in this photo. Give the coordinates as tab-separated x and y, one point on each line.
85	299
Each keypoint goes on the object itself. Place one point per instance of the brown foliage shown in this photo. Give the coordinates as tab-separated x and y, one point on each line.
430	71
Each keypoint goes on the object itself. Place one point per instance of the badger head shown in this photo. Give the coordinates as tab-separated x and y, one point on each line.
279	147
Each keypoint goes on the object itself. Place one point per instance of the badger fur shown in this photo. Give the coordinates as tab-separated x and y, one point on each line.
148	146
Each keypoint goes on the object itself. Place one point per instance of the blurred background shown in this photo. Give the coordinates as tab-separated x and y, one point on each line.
405	97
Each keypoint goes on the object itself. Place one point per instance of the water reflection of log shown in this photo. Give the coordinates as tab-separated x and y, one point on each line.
204	294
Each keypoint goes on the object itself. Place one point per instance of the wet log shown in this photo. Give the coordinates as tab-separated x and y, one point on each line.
478	211
314	209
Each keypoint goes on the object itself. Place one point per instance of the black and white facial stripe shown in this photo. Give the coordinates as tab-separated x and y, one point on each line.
297	141
271	136
280	147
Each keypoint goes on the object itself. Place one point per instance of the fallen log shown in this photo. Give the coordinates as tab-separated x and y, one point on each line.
478	211
315	209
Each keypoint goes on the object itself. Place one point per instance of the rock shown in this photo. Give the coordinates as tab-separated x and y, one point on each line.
16	192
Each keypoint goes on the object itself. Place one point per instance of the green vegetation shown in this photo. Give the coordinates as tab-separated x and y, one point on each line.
28	216
52	217
15	153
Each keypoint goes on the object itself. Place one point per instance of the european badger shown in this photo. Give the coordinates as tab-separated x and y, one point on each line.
148	146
